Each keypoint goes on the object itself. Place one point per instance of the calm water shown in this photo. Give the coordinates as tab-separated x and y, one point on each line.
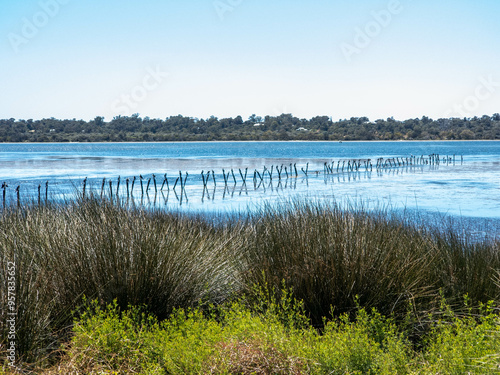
469	189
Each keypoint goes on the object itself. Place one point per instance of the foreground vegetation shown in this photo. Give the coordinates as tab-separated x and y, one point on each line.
297	288
283	127
235	339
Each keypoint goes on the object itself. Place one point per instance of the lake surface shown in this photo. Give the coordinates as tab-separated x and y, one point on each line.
466	182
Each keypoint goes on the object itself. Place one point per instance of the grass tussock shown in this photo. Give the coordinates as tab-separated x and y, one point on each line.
336	258
334	261
100	250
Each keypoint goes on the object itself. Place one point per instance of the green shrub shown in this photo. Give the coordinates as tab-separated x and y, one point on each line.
464	345
109	339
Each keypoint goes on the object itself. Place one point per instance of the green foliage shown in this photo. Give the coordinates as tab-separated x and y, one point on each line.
240	338
368	345
464	344
188	342
114	340
280	303
282	127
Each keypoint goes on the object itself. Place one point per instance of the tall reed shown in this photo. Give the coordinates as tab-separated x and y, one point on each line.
100	250
340	259
334	259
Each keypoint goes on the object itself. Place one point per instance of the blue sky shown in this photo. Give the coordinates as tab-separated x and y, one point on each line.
158	58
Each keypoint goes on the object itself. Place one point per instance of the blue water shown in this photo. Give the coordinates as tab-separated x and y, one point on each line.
221	150
467	187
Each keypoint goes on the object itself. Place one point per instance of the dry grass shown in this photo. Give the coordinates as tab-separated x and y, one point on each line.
254	357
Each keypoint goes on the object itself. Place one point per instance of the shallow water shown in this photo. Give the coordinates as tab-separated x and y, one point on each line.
468	187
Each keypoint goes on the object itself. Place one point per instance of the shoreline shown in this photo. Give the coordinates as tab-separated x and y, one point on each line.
265	141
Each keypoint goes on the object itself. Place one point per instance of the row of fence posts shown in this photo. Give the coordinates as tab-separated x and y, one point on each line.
18	193
280	172
382	163
130	184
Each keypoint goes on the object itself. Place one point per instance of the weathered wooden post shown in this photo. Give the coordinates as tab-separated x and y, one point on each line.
4	187
203	180
118	186
165	181
84	187
184	189
132	187
127	181
142	187
307	168
102	186
18	195
173	189
258	174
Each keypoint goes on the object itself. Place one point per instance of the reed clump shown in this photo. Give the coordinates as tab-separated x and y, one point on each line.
334	260
100	250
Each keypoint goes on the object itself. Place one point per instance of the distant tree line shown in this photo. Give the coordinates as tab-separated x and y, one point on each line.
283	127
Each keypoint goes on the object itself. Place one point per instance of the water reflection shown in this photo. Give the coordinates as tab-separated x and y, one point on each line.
239	176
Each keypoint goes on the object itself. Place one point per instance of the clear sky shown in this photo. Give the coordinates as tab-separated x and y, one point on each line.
159	58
